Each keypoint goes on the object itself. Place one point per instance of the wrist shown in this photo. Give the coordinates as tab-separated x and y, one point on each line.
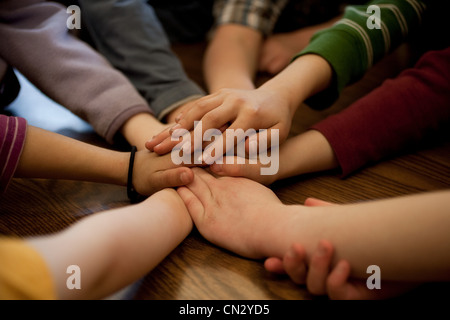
284	96
269	238
119	168
172	207
140	128
304	77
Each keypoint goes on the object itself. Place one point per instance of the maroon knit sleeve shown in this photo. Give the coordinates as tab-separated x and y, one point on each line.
12	138
398	115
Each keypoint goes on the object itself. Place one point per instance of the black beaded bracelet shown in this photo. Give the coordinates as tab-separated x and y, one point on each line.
131	192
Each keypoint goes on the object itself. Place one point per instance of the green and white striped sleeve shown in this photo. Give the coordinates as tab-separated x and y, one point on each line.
353	45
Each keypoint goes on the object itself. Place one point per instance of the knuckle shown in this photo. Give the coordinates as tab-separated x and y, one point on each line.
211	118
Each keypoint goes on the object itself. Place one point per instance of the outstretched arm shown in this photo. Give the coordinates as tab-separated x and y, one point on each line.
38	153
391	233
117	247
270	106
400	115
320	72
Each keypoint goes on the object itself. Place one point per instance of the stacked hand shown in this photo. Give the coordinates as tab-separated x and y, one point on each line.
231	109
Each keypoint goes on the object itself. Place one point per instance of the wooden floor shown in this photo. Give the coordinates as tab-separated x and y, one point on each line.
196	269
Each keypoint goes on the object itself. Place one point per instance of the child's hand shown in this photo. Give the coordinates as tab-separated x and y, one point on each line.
244	169
152	173
322	278
234	213
232	109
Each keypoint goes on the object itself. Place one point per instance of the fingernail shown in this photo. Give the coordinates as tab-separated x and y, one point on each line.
178	117
184	178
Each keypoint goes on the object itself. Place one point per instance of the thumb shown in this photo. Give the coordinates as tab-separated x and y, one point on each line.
193	204
174	177
313	202
240	167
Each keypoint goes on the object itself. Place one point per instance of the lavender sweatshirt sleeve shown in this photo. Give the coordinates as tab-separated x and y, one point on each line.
36	41
12	138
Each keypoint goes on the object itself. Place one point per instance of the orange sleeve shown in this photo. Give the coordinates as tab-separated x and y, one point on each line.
24	274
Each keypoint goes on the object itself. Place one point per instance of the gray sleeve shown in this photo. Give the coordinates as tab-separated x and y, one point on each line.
36	41
130	36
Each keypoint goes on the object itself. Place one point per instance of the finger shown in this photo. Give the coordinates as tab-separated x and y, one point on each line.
235	167
177	114
319	268
338	286
200	186
233	138
266	139
274	265
177	139
313	202
189	141
205	176
164	142
173	177
199	109
209	131
157	139
295	264
193	204
241	167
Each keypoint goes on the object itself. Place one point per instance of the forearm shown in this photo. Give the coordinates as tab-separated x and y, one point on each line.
141	128
117	247
53	156
305	153
303	78
407	237
231	58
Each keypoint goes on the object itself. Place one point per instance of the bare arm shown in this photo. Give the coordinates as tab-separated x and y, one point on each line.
271	106
53	156
407	237
117	247
231	58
